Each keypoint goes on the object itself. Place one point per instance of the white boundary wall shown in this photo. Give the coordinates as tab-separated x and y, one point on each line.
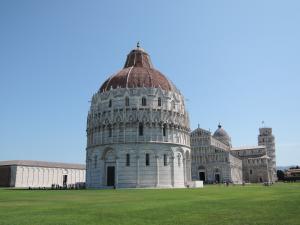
30	176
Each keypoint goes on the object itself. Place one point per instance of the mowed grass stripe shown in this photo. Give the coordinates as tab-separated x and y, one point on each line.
251	204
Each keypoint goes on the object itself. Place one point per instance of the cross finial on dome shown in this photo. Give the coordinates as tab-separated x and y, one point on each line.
219	125
138	44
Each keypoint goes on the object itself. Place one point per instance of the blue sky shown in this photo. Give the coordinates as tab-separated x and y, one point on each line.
236	62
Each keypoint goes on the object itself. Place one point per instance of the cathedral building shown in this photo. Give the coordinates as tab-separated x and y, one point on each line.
138	132
214	160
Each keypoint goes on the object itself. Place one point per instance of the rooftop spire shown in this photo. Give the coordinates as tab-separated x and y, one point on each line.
219	125
138	58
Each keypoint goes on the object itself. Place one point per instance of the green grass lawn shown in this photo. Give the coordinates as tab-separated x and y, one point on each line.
253	204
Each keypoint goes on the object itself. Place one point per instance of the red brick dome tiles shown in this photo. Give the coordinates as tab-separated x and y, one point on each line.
138	72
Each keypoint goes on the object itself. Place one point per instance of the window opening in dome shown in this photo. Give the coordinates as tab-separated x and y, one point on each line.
141	129
110	103
126	101
164	130
165	160
159	102
127	159
144	101
147	159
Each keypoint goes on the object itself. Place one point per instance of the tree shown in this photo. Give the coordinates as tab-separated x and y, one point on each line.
280	175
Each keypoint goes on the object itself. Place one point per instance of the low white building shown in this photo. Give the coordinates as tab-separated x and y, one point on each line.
26	173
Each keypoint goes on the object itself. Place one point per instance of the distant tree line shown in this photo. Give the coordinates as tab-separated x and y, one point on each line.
289	175
280	175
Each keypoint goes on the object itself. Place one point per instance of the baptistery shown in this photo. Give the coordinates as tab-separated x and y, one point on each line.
138	130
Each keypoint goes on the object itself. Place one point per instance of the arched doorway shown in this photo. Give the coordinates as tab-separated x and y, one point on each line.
110	176
217	178
109	158
201	173
202	176
217	175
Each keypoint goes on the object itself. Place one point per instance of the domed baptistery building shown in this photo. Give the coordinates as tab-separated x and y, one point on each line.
138	130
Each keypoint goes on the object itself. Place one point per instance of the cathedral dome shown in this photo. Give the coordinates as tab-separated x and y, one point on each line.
137	72
221	135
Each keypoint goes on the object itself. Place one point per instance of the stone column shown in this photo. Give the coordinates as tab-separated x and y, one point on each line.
188	168
157	170
124	133
103	172
150	132
137	131
137	171
172	132
184	170
155	132
102	134
163	138
117	172
172	170
112	127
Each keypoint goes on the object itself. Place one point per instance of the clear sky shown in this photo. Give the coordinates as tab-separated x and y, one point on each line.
236	62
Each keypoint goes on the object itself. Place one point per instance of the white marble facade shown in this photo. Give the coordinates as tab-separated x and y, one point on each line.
46	177
138	135
37	174
215	160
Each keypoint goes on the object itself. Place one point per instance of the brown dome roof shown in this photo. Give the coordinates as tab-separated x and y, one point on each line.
222	135
138	71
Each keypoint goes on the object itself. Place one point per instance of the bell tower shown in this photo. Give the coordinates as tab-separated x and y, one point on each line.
267	139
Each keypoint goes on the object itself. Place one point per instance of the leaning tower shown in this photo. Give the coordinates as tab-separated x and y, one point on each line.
267	139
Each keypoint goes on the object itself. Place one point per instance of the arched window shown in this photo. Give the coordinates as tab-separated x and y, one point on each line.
126	101
141	129
165	160
127	159
250	171
164	130
110	103
144	101
147	159
159	101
